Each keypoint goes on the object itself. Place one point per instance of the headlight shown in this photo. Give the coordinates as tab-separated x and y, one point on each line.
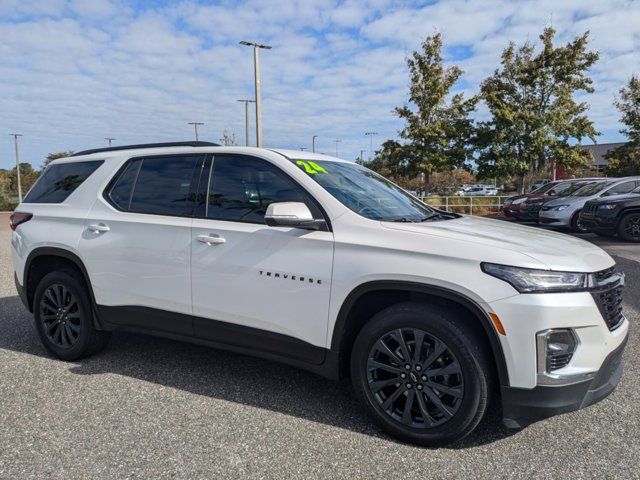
608	206
558	208
528	280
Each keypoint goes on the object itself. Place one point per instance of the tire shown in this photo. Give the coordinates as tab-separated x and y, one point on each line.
576	224
464	388
629	227
64	317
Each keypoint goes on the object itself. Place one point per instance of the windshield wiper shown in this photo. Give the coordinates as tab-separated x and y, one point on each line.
400	219
429	217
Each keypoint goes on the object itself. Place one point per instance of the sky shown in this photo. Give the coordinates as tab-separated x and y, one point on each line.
73	72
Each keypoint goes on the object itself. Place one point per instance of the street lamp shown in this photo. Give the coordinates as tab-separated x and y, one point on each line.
15	141
246	118
370	135
337	142
313	143
195	126
109	139
256	72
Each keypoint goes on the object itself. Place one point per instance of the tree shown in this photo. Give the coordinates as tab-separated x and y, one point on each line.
228	139
438	129
625	160
54	156
534	116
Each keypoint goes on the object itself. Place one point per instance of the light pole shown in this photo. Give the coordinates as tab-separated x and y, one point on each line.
370	135
337	142
246	118
256	72
361	156
302	149
313	143
109	139
195	127
15	141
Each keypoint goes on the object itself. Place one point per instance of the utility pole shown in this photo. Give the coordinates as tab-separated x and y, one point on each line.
195	127
337	142
109	139
256	73
15	141
370	135
246	118
313	143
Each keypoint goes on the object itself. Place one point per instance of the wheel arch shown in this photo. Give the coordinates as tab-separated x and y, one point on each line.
54	258
353	314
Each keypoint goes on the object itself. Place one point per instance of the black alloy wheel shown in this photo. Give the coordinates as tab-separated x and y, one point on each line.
64	317
629	227
423	372
577	225
60	316
415	378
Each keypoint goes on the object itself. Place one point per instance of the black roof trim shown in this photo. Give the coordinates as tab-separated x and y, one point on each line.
146	145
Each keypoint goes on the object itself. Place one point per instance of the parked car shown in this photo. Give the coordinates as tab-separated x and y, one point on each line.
565	212
530	208
614	215
512	206
320	263
479	191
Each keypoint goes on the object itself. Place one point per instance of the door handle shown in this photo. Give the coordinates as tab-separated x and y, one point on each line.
99	228
212	239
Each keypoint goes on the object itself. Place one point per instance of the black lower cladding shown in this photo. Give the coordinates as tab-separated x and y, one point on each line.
213	332
521	407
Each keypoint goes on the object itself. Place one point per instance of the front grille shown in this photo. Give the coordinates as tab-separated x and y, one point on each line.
589	207
608	296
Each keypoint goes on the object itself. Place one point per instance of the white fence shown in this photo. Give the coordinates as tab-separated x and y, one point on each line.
466	204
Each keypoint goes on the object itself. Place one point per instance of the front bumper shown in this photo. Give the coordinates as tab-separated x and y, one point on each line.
521	407
555	218
599	223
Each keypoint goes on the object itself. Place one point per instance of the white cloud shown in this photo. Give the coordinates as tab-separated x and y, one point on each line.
76	71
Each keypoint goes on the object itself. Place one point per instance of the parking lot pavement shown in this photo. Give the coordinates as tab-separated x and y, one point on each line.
154	408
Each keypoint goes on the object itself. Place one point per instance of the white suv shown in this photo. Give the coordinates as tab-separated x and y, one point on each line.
321	263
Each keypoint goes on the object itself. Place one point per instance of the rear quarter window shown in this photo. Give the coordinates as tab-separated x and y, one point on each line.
58	181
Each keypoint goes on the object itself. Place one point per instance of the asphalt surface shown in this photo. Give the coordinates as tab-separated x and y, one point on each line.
154	408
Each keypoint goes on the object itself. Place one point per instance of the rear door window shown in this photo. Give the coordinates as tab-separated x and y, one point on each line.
59	180
621	188
160	185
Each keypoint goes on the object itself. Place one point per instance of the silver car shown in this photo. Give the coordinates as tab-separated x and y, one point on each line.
565	211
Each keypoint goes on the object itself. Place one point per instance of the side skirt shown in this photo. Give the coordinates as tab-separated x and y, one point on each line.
221	335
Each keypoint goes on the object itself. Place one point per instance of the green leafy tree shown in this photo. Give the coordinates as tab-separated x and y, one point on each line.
54	156
438	128
625	160
534	115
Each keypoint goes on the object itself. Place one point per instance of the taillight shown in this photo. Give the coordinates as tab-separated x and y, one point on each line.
18	218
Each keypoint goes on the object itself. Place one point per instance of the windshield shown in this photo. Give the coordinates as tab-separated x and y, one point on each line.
590	189
636	190
567	188
365	192
544	188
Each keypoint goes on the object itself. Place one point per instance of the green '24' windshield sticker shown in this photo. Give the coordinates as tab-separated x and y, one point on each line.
312	168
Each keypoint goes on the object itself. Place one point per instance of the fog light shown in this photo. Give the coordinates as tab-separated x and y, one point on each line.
555	349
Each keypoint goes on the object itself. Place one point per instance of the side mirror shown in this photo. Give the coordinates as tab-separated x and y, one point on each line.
291	214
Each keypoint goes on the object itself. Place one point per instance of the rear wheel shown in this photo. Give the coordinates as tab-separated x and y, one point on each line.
629	227
64	319
423	374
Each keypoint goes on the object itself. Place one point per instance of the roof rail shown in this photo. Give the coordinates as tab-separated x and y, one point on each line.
146	145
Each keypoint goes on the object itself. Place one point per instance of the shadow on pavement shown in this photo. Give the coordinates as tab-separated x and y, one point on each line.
223	375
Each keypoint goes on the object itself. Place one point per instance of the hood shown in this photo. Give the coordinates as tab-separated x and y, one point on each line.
614	198
555	250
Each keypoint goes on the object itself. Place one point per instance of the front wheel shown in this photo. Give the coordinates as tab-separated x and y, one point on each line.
422	373
629	227
577	225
